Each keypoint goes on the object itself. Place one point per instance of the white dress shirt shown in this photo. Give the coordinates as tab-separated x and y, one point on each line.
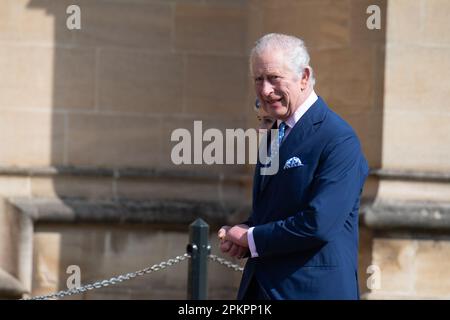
290	123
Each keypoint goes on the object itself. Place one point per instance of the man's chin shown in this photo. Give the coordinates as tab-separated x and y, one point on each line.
279	114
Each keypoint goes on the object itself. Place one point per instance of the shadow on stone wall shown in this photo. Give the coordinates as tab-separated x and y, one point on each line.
136	71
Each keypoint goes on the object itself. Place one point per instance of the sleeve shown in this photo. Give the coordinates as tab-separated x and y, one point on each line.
251	243
334	191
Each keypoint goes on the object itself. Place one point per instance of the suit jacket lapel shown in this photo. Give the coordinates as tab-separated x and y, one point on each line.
301	131
260	180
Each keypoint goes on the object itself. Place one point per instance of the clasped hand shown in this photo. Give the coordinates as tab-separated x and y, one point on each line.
233	240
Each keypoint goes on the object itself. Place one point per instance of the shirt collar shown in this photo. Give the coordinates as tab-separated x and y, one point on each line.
293	119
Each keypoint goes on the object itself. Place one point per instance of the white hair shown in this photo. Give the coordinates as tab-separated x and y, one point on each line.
294	50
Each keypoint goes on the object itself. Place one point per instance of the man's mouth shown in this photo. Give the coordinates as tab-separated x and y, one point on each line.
274	101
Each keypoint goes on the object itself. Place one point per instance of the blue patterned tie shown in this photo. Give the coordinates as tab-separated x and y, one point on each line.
276	147
281	131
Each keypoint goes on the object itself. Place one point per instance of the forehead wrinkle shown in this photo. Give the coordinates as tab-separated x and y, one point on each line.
275	65
268	69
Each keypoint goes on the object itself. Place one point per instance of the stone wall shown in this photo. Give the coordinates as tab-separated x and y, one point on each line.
411	213
123	249
110	94
87	114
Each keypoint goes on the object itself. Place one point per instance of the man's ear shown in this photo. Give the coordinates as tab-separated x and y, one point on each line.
306	74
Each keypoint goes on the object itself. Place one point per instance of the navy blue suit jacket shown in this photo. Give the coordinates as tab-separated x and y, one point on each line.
306	217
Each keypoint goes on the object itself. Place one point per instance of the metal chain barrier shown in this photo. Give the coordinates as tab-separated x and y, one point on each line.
226	263
114	280
132	275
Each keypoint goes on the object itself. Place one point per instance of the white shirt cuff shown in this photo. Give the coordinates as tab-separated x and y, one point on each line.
251	242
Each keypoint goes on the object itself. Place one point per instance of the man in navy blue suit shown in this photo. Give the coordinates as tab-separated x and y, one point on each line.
302	235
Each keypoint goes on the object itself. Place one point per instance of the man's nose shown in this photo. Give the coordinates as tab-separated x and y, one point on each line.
267	89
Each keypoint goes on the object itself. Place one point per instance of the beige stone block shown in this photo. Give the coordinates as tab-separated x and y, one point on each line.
353	79
396	259
371	186
365	259
319	24
359	16
348	79
433	268
255	24
416	140
73	81
114	140
379	84
407	86
321	62
216	85
368	127
414	191
140	81
183	189
72	186
7	16
29	21
436	29
403	23
31	138
167	189
57	12
231	3
44	77
26	77
170	124
46	264
14	186
126	24
237	192
286	4
210	28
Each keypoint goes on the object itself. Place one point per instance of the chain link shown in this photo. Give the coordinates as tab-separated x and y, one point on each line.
226	263
113	280
132	275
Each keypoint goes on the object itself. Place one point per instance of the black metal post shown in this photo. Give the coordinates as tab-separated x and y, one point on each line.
199	250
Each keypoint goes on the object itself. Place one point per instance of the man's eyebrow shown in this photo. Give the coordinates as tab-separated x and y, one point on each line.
269	74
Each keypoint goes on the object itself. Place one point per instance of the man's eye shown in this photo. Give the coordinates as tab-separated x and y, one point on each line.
274	77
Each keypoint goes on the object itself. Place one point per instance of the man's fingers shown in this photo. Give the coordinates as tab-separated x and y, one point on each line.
238	235
221	234
241	253
234	250
223	231
225	246
227	241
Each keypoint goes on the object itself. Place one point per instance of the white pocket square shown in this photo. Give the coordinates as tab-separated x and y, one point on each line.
293	163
